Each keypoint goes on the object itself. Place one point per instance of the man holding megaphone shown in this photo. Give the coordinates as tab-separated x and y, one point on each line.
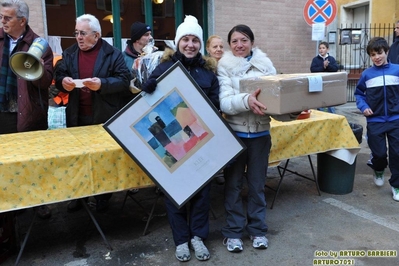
23	102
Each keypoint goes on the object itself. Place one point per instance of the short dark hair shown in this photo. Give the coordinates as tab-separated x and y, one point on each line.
243	29
377	44
324	43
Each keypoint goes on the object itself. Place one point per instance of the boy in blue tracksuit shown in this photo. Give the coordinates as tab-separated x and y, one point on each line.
377	97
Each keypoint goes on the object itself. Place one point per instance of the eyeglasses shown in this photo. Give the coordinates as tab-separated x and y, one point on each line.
7	18
82	33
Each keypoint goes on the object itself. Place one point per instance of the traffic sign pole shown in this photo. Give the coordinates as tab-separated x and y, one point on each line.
319	11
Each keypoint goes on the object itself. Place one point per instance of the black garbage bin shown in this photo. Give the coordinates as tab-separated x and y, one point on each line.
334	175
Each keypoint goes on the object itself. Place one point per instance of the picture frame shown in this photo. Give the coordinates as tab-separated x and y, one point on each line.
175	135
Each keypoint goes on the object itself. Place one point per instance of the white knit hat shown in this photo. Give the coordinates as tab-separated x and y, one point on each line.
190	26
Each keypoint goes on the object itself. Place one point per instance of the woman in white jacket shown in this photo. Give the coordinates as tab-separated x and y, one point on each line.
245	114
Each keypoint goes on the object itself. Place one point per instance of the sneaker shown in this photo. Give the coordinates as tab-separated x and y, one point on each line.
395	192
233	244
43	212
182	252
74	206
379	178
259	242
133	191
201	252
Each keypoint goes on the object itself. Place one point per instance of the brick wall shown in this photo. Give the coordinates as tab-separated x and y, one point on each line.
36	17
279	27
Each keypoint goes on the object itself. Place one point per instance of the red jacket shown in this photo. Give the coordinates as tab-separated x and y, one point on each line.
32	105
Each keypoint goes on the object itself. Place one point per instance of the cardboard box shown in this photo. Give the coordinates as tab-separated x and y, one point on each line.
287	93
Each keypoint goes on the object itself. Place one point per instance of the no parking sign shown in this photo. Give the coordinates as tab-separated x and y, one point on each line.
319	11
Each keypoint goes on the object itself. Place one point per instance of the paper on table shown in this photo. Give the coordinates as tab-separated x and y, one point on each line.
79	82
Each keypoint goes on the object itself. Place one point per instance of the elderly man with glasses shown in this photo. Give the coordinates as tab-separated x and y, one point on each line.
97	79
23	103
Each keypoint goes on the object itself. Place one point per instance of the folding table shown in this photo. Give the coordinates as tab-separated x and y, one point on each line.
52	166
321	132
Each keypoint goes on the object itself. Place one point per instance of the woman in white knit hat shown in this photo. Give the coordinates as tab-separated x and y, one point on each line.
189	47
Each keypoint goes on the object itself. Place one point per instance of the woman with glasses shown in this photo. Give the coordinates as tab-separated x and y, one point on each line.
95	76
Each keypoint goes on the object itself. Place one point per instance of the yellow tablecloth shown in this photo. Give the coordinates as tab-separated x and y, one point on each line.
321	132
57	165
50	166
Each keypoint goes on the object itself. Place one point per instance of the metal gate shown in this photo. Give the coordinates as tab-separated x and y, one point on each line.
352	56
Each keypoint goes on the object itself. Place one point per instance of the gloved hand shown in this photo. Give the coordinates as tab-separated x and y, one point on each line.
149	86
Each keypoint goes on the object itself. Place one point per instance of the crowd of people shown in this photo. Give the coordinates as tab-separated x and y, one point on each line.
108	79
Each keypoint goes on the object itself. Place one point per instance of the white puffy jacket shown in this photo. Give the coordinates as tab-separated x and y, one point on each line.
234	105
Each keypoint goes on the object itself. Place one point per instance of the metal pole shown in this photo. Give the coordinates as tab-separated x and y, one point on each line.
178	12
80	7
116	26
148	13
205	20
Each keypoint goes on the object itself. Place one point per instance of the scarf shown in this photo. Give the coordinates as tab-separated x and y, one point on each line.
131	48
189	62
8	80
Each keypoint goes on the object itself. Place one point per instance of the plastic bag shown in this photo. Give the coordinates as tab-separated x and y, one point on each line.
145	65
56	117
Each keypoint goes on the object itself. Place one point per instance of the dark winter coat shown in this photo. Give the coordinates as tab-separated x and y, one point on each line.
318	64
203	72
393	54
115	77
32	95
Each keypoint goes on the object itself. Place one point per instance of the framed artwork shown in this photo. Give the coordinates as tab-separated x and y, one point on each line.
175	135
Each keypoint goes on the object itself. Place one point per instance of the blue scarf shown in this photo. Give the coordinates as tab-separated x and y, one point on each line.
8	80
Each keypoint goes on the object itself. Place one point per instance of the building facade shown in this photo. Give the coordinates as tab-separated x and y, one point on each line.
279	25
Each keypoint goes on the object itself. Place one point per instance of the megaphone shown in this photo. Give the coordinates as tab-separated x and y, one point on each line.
27	65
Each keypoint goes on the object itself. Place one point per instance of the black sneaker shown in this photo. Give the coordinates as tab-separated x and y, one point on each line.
43	212
74	206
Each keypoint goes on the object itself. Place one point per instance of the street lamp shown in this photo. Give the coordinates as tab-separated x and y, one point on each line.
110	18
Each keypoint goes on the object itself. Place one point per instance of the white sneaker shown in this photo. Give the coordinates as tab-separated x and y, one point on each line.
395	193
233	244
259	242
379	178
183	252
201	252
